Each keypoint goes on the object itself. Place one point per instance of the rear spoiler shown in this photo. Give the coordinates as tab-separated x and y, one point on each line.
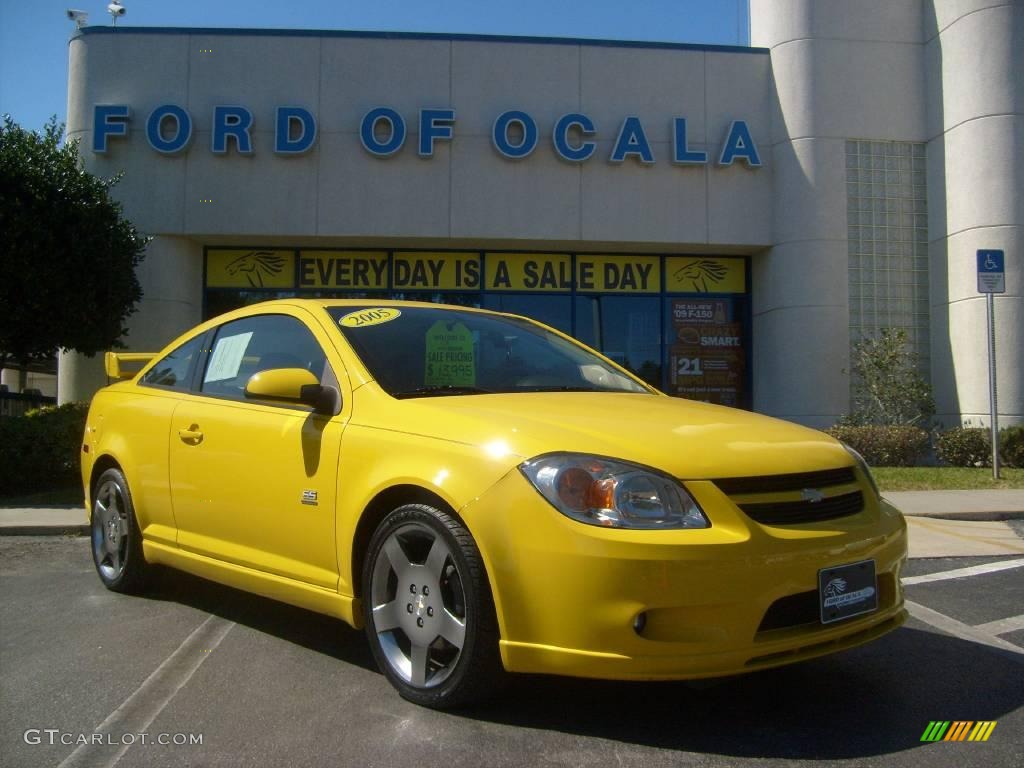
115	362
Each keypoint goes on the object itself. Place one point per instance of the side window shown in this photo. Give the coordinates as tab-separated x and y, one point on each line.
172	370
252	344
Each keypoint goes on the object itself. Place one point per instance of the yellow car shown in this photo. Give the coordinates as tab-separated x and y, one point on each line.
483	494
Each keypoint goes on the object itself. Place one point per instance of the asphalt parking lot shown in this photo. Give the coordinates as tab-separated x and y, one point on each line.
265	684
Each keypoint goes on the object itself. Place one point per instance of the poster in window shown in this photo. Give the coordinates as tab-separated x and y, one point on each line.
707	357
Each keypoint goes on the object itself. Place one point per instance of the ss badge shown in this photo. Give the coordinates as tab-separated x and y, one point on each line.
309	497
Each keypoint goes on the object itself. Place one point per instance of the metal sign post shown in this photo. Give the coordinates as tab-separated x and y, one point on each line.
991	280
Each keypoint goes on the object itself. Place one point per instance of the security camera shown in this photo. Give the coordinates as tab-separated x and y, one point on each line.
115	9
81	18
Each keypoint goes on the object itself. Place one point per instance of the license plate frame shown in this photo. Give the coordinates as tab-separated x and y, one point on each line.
847	590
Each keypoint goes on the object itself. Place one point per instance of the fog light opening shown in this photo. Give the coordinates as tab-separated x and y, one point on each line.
640	622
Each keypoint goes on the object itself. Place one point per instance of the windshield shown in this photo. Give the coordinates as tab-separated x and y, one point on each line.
429	351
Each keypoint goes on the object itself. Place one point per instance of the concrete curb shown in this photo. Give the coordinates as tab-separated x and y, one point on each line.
48	520
981	516
44	530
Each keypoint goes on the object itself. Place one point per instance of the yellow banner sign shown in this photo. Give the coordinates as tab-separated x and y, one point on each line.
618	274
704	274
436	271
343	269
528	272
250	268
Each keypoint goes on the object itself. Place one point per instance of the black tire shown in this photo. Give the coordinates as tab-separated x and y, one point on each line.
410	627
115	537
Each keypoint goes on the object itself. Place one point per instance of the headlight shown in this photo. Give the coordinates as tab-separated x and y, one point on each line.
865	470
614	494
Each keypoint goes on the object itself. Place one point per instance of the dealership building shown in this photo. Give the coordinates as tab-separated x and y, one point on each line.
725	221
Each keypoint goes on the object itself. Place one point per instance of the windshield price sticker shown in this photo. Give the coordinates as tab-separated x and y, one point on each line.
364	318
450	356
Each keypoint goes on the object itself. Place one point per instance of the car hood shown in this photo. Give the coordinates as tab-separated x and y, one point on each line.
686	439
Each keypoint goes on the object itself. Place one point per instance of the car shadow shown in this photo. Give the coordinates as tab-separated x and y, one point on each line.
314	631
873	700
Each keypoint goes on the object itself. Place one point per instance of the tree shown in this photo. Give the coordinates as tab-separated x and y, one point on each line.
887	387
67	254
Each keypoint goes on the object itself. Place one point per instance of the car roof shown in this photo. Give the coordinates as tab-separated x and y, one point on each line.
368	302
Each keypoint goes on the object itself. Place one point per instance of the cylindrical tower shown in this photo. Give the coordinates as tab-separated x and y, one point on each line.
974	55
849	89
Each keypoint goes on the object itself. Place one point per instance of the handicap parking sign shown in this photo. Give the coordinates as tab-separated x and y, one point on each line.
991	271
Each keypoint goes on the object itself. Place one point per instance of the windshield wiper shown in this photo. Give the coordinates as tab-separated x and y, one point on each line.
441	390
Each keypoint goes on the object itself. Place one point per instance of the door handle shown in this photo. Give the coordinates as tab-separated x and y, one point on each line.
191	435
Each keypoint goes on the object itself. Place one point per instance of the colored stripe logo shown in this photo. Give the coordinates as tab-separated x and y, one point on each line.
958	730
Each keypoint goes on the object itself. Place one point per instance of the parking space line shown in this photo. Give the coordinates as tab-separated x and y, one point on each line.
951	626
974	570
139	710
1002	626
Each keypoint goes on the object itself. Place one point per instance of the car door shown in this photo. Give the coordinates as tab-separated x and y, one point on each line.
141	423
254	483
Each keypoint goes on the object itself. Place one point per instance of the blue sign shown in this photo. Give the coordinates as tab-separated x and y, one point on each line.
991	271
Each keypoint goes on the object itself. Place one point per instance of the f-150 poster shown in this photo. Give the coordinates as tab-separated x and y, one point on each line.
707	357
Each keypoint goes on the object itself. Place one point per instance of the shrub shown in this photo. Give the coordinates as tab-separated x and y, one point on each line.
1011	446
965	447
888	387
41	450
885	446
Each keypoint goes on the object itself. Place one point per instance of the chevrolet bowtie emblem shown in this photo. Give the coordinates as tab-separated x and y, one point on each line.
812	495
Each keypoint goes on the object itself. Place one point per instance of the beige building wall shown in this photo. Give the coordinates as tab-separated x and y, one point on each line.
945	72
466	195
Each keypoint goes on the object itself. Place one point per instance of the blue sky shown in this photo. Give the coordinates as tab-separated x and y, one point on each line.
34	33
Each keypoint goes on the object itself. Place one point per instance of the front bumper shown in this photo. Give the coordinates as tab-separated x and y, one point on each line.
568	595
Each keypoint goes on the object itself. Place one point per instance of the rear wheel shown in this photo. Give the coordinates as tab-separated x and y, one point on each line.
116	541
428	609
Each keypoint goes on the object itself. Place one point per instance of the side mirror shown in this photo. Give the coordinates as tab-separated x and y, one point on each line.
293	385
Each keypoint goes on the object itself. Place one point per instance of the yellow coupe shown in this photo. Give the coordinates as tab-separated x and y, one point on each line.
484	494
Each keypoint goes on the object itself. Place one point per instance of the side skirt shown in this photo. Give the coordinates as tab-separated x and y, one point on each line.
249	580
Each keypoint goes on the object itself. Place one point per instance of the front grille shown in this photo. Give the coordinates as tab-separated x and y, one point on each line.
793	512
736	486
792	611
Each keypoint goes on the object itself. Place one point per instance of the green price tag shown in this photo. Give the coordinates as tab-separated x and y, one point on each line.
450	360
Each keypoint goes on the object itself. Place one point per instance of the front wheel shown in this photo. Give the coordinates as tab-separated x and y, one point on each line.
116	541
428	609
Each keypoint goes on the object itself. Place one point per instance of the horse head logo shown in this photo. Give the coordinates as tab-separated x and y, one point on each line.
700	273
835	587
256	265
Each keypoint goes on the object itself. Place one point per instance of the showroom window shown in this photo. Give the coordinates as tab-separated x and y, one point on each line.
681	323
